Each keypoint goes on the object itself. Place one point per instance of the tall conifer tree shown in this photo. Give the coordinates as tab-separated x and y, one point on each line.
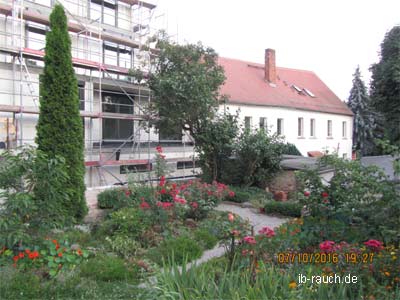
385	85
363	121
60	128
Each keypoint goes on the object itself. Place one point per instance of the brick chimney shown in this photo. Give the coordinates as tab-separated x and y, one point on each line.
270	67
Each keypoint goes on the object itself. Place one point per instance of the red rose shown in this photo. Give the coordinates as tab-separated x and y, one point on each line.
325	194
306	193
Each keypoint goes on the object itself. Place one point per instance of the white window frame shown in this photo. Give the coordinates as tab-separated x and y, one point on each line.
312	128
280	126
344	130
329	127
300	127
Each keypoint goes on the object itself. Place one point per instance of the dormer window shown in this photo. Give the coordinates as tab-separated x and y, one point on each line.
309	93
299	90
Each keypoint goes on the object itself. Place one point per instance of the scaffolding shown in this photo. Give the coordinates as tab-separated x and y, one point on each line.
108	40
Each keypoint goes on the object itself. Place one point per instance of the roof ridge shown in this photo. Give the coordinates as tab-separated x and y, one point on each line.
256	64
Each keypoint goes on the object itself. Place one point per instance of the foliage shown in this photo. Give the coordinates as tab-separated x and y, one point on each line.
363	121
51	258
258	157
32	189
209	282
215	145
205	238
113	198
290	149
123	245
109	269
286	208
181	249
59	128
130	222
185	86
358	197
385	85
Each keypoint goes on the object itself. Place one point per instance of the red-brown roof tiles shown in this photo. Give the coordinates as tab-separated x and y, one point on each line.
245	84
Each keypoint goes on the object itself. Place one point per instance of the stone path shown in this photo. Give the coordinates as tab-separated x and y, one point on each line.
255	218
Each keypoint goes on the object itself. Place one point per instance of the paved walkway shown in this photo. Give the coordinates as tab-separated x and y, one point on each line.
255	218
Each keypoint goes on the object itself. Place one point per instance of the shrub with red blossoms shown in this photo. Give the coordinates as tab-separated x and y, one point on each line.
249	240
327	246
144	205
324	194
374	245
266	231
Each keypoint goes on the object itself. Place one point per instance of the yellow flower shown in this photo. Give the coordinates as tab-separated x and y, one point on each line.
387	273
292	285
394	257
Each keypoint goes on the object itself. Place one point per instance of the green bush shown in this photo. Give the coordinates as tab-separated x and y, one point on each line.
33	194
113	198
180	249
290	209
123	245
290	149
16	284
108	268
205	238
240	196
357	196
128	221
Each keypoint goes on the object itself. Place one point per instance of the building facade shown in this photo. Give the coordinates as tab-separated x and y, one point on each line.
295	104
109	38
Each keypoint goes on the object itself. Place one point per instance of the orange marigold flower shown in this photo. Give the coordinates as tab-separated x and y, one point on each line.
60	254
292	285
15	258
55	242
21	255
79	252
31	256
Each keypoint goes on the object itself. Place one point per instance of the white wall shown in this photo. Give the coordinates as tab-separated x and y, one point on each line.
320	142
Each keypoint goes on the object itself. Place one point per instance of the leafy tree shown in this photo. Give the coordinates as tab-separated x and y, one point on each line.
363	122
216	146
59	129
185	85
385	85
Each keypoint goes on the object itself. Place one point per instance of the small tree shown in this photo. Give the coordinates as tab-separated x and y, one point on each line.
385	85
363	122
185	85
59	129
216	146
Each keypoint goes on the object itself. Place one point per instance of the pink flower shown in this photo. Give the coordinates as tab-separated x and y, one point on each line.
249	240
162	180
163	192
209	193
324	194
231	217
144	205
194	205
180	200
164	205
127	192
326	246
235	232
268	232
374	245
159	149
306	193
231	194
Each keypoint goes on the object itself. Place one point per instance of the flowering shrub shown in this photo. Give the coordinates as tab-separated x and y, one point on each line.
358	202
53	257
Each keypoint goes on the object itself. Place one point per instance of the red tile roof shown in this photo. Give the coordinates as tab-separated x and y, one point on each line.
245	84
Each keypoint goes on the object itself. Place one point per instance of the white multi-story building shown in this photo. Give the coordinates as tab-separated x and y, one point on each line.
108	39
296	104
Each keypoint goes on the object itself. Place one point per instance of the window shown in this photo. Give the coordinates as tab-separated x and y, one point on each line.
36	39
126	169
300	127
117	55
81	91
329	128
103	11
309	93
344	129
117	129
263	123
247	122
279	127
312	127
186	165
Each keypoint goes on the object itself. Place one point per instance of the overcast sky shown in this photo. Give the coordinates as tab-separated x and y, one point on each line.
328	37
